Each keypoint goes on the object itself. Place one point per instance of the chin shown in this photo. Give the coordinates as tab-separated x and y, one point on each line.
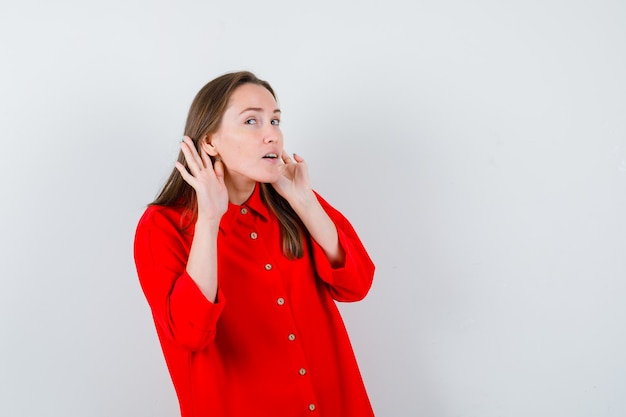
269	179
264	176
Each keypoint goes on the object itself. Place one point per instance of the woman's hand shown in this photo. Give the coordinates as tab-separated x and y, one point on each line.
293	184
207	179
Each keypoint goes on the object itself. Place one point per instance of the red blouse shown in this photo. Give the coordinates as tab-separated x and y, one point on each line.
274	343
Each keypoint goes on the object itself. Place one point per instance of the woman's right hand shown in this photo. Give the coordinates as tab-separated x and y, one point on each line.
207	179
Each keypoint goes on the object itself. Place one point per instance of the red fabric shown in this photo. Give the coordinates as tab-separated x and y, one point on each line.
274	343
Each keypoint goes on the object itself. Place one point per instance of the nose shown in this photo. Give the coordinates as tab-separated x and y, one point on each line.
272	136
271	132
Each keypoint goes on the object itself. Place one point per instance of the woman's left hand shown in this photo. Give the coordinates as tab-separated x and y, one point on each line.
293	184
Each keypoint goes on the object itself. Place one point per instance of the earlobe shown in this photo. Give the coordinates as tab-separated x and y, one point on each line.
208	146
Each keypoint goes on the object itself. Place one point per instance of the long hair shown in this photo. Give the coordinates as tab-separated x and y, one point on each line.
204	118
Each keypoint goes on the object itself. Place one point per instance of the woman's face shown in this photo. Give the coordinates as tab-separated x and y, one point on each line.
249	140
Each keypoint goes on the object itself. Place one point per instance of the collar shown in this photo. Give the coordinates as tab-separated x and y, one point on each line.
253	206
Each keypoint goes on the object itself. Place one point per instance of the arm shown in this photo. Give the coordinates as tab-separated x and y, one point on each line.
339	256
353	279
181	311
207	180
178	279
320	227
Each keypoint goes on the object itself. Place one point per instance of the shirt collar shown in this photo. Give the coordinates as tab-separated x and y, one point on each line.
252	206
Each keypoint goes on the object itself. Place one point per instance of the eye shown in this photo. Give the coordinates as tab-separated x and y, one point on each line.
251	122
276	122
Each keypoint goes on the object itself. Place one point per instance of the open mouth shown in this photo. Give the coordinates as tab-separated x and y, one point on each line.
270	156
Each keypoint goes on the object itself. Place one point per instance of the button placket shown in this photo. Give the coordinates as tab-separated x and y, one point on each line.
298	362
258	233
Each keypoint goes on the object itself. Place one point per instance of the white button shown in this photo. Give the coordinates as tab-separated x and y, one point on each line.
243	210
311	407
280	301
302	371
253	235
268	267
292	337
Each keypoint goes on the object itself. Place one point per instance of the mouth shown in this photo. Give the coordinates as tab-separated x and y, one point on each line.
270	156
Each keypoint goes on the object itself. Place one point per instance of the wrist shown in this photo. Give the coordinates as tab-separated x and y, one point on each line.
303	200
207	223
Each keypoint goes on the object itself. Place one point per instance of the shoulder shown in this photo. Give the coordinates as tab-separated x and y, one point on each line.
156	214
162	218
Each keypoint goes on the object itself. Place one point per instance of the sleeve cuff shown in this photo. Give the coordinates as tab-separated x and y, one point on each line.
193	307
323	267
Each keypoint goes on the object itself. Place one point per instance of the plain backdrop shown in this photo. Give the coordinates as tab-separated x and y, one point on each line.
479	147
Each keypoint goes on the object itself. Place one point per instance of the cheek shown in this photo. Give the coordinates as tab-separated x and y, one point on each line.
236	157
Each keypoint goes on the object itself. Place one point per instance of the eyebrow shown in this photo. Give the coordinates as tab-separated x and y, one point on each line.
257	109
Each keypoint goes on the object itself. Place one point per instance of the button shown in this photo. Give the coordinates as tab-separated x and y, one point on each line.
302	371
292	337
253	235
311	407
268	267
243	210
280	301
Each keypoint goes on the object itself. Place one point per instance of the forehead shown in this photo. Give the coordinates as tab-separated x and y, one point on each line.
252	95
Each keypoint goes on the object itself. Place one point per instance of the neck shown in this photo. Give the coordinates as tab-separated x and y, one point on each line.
239	191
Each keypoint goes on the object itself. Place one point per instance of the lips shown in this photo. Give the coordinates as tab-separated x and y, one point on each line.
270	156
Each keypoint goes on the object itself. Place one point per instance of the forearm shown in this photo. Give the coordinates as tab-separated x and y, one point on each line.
320	227
202	262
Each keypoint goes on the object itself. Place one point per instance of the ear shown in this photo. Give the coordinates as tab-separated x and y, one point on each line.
208	146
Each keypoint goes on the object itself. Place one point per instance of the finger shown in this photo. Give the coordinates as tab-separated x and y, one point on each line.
191	154
189	179
285	157
218	167
298	158
184	147
206	159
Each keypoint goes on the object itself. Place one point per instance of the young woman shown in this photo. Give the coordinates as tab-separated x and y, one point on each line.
241	263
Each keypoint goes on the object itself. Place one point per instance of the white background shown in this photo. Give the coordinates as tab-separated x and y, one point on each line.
479	147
